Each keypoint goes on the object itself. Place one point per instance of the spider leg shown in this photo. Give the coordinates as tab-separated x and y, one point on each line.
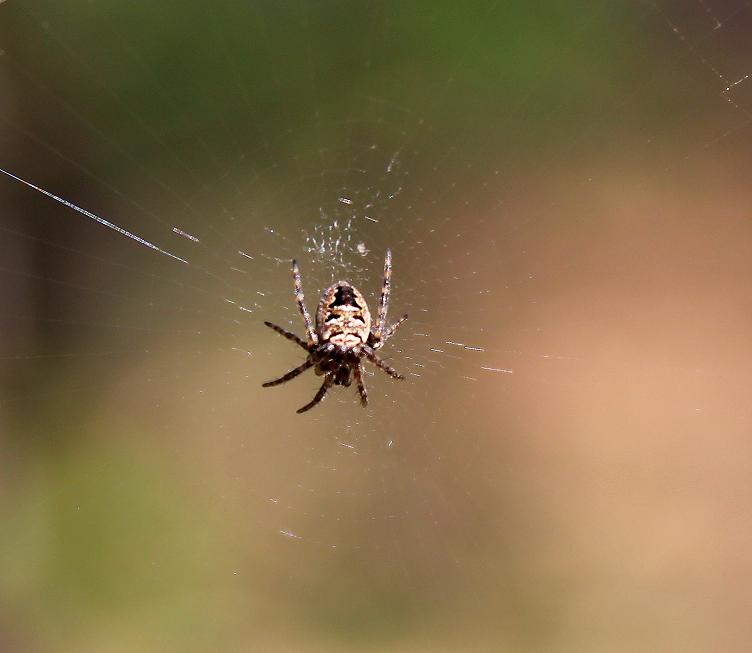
371	356
361	386
300	299
287	334
384	300
388	333
290	375
328	381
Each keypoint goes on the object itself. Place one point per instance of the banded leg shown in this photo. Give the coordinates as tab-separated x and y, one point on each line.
287	334
300	299
361	386
328	381
290	375
390	332
384	300
371	356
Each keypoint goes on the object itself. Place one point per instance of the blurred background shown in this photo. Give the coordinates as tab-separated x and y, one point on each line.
565	190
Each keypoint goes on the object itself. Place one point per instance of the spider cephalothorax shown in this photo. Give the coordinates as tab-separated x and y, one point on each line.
343	335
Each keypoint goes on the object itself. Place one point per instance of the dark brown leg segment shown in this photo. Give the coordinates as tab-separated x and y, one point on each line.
371	356
361	386
290	375
319	395
287	334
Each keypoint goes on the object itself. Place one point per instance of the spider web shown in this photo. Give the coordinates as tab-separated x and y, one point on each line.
163	164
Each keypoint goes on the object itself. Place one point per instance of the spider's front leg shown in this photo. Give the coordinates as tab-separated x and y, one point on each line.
361	386
328	381
370	354
290	375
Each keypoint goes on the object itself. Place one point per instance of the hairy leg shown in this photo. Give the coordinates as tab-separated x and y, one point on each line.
287	334
384	300
371	356
377	344
328	380
290	375
361	386
300	299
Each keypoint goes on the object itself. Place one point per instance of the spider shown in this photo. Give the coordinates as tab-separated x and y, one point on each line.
342	336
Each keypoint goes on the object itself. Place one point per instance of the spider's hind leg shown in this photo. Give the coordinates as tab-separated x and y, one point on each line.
300	299
287	334
384	299
377	344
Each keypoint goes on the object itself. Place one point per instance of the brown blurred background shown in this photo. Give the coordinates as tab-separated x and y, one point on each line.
564	188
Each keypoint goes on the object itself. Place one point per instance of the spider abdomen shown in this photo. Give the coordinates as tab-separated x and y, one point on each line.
343	318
